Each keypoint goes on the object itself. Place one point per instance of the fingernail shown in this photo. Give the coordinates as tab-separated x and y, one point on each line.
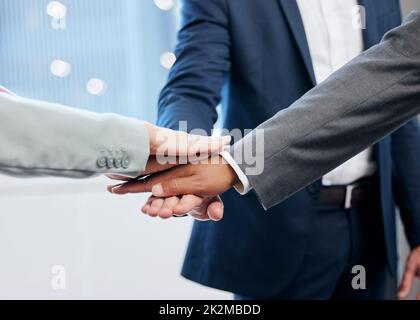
157	190
116	189
165	213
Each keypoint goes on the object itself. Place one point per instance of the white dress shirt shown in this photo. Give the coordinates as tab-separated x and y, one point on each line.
333	41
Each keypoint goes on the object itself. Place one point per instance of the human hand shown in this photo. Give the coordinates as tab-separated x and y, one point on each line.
167	142
208	178
412	271
200	208
169	148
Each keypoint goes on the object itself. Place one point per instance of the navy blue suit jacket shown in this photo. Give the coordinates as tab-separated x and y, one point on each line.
257	52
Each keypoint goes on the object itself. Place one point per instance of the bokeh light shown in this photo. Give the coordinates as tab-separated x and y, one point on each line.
56	10
164	4
60	68
96	86
167	60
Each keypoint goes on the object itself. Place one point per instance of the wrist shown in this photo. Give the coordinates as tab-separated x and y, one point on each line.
229	172
152	131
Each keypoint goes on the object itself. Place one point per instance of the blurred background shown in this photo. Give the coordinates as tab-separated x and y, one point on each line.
105	56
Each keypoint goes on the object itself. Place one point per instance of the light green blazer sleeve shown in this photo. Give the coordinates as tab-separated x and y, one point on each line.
45	139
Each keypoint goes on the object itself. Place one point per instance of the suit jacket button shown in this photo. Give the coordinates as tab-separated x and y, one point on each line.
125	163
110	163
101	163
118	163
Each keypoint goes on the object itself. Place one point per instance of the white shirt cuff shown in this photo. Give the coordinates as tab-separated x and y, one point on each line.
243	186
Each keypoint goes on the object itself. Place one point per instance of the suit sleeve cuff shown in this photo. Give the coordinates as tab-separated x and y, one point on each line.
243	186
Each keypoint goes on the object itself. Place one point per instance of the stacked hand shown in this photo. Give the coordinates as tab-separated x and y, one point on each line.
168	148
194	188
191	188
178	189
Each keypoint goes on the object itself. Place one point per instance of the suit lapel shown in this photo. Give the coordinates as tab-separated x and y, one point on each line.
370	33
294	19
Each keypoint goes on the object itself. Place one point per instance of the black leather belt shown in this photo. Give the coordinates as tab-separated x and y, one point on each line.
346	196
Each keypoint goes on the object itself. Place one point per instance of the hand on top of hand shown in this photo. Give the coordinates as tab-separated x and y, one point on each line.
198	183
170	148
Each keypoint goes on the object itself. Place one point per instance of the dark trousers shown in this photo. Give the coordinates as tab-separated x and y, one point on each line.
341	239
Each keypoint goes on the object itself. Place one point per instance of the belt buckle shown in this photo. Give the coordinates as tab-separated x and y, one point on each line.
349	195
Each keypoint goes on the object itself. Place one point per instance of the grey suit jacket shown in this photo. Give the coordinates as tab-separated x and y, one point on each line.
373	95
38	139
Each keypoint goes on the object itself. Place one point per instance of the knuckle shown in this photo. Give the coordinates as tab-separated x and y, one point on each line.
199	185
174	186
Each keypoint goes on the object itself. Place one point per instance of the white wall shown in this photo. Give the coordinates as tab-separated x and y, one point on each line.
107	248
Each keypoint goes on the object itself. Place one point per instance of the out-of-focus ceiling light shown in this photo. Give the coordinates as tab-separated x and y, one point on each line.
96	87
164	4
167	60
56	10
60	68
